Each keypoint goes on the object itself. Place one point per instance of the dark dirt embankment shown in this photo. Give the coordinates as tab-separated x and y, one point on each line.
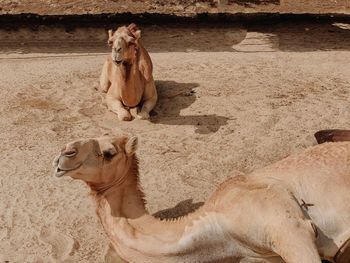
172	7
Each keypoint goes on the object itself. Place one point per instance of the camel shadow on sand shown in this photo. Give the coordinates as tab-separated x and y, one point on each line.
172	98
181	209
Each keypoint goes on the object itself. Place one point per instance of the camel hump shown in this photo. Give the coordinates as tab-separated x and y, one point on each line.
332	136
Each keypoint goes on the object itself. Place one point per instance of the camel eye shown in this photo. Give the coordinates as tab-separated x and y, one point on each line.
108	155
70	153
131	44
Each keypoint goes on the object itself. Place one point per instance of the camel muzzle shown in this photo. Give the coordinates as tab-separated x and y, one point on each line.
117	62
59	172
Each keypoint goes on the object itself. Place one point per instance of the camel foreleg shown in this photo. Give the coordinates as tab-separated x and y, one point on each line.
111	256
295	243
116	106
104	80
147	106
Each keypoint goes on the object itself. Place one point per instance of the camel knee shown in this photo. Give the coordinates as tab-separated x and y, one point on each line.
149	104
117	107
143	115
123	114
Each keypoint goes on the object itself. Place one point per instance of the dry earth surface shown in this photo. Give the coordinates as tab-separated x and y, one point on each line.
178	7
258	94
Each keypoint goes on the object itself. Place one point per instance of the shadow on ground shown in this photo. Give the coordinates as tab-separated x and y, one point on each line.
280	36
172	98
181	209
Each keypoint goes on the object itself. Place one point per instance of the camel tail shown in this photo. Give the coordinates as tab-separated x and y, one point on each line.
332	136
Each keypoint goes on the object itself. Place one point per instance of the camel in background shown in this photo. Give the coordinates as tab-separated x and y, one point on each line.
127	75
296	210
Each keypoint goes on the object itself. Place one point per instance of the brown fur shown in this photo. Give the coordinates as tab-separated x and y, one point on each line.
127	75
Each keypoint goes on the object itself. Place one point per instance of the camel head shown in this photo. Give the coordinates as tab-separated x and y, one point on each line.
100	161
124	43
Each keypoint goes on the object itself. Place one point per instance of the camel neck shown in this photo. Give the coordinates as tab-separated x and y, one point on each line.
137	236
128	69
130	85
121	196
134	233
122	202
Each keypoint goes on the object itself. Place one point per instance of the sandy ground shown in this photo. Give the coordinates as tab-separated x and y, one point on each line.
259	95
178	7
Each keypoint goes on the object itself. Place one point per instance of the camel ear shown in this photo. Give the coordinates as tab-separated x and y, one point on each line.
110	35
135	30
131	145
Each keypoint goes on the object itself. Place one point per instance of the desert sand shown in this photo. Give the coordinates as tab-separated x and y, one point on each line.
231	99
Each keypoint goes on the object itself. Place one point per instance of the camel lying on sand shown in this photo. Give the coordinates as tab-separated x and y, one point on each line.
296	210
127	74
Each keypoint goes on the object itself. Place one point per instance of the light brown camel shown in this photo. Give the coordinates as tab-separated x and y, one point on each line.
296	210
127	75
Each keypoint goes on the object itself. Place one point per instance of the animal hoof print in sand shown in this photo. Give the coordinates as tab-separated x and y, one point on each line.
61	245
